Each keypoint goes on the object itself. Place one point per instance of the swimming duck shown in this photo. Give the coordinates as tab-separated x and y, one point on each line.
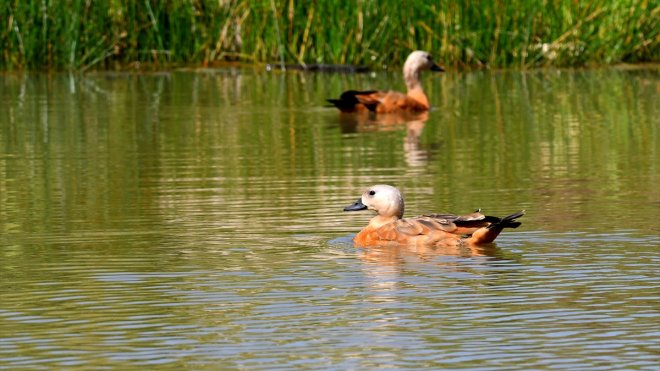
388	228
393	101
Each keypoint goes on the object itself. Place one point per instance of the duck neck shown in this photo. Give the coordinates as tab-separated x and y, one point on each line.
412	79
415	90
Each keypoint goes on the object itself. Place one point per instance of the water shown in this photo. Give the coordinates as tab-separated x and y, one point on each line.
192	220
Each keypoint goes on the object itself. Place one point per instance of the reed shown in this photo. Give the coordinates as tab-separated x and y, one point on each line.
82	34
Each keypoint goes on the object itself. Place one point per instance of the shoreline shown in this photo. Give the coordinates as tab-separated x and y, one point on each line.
313	68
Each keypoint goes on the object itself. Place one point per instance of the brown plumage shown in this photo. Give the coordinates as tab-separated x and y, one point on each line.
388	228
378	101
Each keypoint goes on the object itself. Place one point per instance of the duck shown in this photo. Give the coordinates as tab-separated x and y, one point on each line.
381	101
389	228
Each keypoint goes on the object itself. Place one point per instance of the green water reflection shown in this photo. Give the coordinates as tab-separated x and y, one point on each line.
85	150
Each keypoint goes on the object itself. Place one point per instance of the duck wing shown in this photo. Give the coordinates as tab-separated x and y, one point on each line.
349	102
390	101
404	229
378	101
469	223
462	224
445	228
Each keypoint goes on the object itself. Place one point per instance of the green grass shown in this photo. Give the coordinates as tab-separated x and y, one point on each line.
83	34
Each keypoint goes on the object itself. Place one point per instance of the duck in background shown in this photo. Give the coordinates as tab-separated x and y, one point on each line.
380	101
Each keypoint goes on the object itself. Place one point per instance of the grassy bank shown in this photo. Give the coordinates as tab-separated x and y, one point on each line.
82	34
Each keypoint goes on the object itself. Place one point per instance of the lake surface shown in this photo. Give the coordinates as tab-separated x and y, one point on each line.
193	220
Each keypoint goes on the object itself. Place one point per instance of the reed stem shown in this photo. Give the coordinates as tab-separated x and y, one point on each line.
79	34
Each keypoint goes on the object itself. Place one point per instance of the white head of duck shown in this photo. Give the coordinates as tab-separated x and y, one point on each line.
417	62
384	199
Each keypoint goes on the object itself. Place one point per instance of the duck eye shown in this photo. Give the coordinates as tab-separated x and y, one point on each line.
371	193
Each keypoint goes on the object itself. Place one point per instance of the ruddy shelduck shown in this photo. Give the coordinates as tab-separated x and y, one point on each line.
389	228
393	101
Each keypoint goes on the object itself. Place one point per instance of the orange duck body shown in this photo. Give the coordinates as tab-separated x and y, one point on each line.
388	228
378	101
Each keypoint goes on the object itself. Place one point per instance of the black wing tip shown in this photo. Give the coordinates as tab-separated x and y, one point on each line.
348	100
334	102
515	215
509	221
350	95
